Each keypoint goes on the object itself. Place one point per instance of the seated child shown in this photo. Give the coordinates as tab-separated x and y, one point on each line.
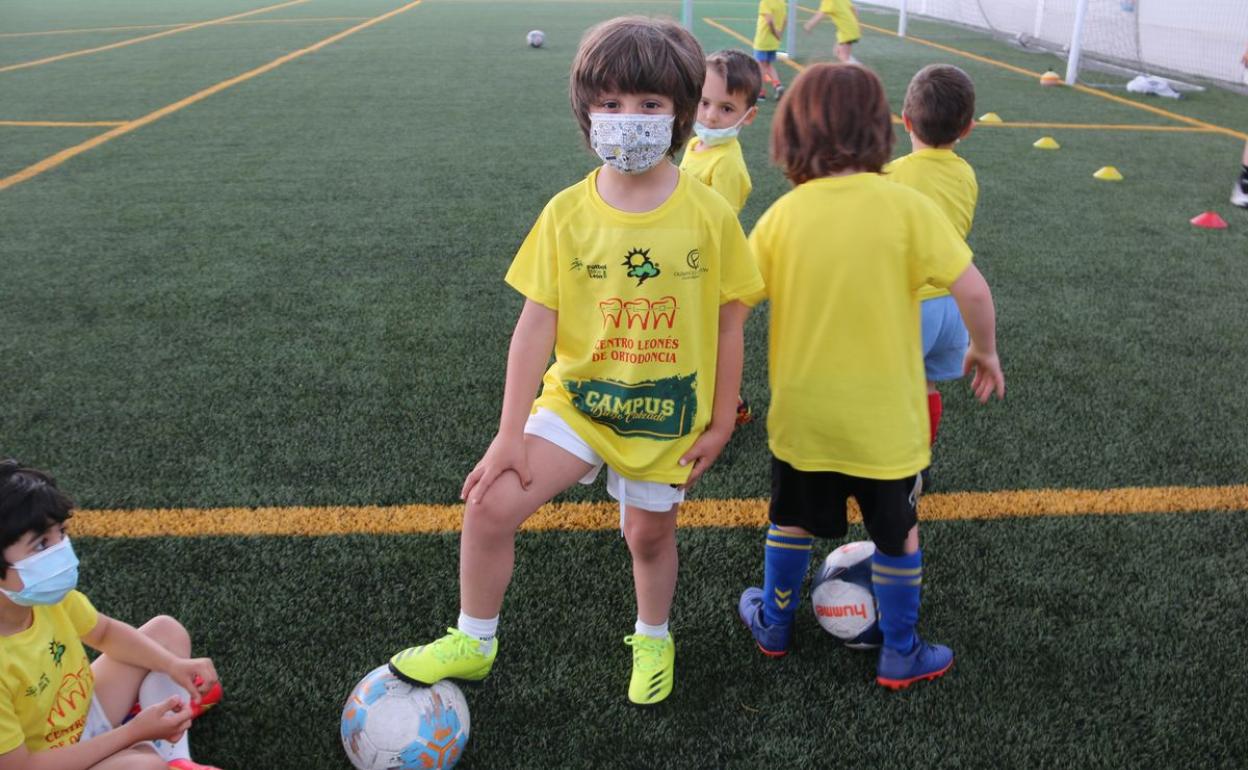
51	696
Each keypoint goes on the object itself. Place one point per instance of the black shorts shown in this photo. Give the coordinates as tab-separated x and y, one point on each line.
815	501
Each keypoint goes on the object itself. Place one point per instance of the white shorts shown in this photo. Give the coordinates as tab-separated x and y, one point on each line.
652	496
97	722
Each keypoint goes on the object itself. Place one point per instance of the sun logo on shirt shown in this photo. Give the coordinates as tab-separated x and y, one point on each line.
640	266
57	650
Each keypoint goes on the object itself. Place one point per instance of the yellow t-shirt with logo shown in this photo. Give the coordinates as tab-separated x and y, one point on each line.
947	179
638	298
45	677
722	168
843	259
763	39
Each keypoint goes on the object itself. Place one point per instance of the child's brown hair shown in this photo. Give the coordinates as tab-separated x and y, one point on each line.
835	117
940	104
739	71
636	55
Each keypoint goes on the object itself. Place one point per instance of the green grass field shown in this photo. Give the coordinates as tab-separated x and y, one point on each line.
289	293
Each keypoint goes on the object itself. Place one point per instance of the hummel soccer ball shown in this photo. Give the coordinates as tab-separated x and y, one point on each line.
388	724
536	38
842	597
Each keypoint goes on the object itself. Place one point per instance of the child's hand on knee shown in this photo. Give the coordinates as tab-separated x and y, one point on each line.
165	721
504	454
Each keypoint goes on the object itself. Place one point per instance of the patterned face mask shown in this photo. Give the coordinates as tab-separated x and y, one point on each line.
631	144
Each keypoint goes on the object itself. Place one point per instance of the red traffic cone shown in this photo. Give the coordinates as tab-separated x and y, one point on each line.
1209	220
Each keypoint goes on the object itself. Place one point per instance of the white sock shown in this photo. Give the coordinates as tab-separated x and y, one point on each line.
155	689
482	629
645	629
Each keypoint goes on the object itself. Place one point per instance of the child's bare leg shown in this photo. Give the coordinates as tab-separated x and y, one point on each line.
652	542
844	52
141	757
487	547
117	684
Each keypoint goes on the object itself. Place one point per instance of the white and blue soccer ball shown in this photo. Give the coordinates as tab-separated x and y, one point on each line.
388	724
536	38
842	598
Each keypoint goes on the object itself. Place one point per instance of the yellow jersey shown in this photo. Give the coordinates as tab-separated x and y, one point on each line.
843	16
763	39
722	168
45	677
637	336
843	259
947	179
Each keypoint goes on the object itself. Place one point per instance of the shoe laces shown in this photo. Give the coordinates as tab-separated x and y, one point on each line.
647	651
455	645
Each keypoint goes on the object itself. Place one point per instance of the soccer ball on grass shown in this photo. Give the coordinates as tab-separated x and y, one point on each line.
842	597
388	724
536	38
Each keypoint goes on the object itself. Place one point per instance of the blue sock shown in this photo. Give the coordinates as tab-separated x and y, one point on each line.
787	559
897	581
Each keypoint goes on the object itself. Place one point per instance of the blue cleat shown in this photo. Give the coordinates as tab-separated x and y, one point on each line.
772	640
926	661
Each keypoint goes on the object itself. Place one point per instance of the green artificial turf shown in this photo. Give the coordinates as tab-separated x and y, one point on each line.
290	293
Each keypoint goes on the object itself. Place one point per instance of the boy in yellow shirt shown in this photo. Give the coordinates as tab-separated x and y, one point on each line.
58	710
729	102
713	155
772	15
939	112
843	256
845	18
633	277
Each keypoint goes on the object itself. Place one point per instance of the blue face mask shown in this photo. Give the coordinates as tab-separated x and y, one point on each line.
712	137
47	577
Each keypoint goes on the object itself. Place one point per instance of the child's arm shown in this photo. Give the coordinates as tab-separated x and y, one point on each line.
531	343
771	24
729	361
120	641
163	721
974	300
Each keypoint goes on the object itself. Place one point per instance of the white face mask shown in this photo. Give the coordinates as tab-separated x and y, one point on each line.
716	136
630	144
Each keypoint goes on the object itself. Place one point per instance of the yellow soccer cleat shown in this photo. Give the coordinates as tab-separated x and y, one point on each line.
654	663
455	656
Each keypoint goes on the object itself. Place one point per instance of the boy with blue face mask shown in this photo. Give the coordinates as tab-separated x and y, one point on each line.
728	104
51	695
632	276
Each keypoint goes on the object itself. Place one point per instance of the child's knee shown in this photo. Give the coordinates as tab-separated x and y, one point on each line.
169	633
488	517
649	534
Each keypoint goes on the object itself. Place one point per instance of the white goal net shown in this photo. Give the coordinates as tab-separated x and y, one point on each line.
1203	38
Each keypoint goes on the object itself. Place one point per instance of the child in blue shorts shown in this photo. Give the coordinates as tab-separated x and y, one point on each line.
938	113
772	15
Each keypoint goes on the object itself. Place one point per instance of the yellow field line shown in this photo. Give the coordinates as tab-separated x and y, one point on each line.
1209	127
86	30
1098	127
61	123
145	38
415	519
52	161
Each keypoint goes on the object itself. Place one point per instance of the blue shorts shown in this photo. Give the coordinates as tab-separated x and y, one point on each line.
764	56
944	339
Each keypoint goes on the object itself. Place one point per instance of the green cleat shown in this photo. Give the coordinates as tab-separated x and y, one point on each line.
455	656
654	662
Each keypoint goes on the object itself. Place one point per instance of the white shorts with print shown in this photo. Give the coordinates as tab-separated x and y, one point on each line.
647	495
97	722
